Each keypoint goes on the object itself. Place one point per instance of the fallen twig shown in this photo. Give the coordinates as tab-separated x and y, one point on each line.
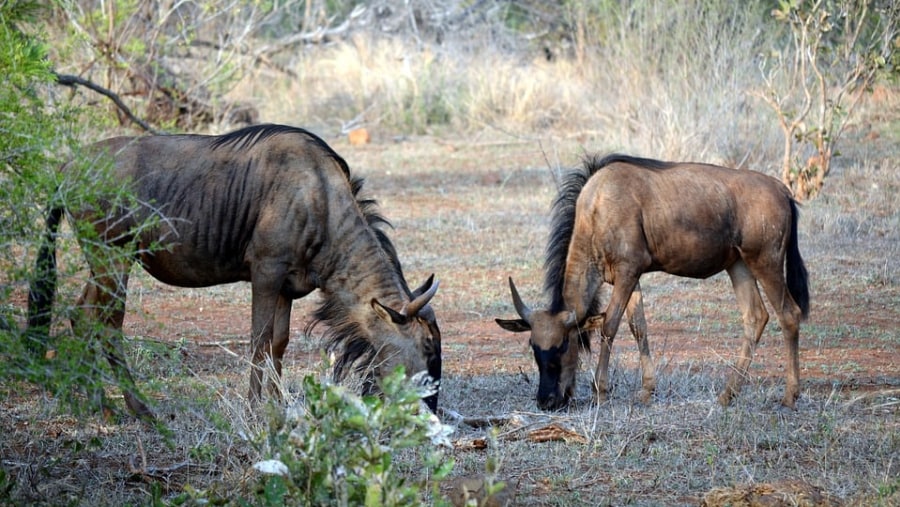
152	471
889	393
223	343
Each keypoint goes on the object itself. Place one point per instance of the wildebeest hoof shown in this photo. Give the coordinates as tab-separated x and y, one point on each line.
788	404
645	397
725	397
790	399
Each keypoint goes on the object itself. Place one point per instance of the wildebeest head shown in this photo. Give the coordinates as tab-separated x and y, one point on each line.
410	336
555	340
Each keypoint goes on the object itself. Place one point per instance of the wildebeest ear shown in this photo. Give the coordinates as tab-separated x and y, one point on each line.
386	313
514	325
594	323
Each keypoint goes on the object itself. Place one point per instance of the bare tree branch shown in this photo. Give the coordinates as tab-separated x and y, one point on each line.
320	34
70	80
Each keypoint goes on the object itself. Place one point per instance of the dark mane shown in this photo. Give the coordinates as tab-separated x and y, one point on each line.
595	163
562	219
344	335
248	137
562	222
378	222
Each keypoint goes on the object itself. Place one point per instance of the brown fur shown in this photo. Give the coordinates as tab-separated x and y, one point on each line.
273	206
620	217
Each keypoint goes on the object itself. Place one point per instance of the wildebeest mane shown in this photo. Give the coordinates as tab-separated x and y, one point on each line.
247	137
344	335
562	221
377	222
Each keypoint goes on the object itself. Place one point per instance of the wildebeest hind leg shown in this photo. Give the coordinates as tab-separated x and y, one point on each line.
755	317
102	305
789	315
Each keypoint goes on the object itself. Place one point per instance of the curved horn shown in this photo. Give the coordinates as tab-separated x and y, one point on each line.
421	290
413	307
521	308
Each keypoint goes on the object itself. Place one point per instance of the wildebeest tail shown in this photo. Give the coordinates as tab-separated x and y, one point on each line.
797	277
43	284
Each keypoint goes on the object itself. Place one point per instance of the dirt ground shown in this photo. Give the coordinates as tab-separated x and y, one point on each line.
475	345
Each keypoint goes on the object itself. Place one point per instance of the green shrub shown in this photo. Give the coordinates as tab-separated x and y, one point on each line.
340	448
41	133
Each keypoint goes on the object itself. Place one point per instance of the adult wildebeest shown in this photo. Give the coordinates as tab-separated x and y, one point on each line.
619	217
272	205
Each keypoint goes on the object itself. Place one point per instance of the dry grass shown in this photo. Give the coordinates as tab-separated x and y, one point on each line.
690	100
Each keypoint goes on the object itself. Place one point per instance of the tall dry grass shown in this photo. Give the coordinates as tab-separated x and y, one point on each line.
661	79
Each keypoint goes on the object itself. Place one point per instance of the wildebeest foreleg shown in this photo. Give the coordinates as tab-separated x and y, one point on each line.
634	312
623	287
280	337
755	317
265	288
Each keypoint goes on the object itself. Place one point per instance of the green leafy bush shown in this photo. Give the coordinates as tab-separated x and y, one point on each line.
339	448
39	134
34	138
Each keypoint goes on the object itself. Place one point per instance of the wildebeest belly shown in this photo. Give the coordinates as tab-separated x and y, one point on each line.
174	266
692	267
693	253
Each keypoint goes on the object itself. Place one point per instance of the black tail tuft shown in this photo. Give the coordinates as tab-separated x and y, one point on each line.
797	277
43	285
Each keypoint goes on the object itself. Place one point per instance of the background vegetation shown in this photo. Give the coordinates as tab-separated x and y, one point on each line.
468	104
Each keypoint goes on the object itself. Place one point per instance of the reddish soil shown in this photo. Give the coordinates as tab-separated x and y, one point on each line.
475	345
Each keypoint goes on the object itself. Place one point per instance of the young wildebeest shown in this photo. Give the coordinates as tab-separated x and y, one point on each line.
619	217
271	205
